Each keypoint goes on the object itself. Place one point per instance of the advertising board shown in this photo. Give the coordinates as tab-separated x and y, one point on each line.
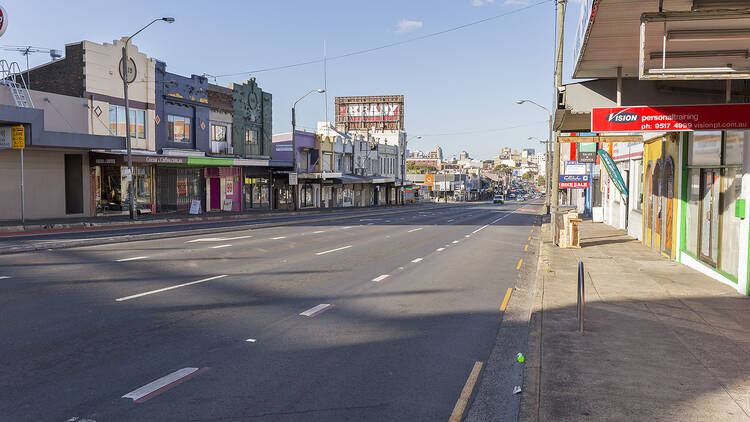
384	112
671	118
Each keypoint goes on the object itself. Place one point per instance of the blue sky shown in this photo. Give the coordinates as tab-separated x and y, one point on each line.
463	81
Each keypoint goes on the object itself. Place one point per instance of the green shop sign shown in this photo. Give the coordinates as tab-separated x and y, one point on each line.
613	172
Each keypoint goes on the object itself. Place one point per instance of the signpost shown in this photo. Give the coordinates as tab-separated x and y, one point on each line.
18	141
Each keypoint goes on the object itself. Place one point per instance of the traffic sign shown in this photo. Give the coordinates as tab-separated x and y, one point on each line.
18	137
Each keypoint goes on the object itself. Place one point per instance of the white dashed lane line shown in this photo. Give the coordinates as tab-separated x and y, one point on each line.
121	299
316	310
439	249
220	246
3	277
334	250
381	278
156	387
278	238
415	230
417	260
135	258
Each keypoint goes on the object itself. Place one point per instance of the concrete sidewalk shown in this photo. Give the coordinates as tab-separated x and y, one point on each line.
661	341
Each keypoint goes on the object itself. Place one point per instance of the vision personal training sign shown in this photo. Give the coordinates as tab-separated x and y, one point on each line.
671	118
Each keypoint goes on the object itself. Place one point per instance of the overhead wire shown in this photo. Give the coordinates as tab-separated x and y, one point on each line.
389	45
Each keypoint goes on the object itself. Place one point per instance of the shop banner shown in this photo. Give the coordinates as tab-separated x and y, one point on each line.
613	172
574	177
573	185
671	118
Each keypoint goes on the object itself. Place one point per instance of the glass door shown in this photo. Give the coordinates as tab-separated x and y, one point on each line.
709	233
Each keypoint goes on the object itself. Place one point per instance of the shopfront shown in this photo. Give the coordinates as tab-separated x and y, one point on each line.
256	189
177	188
713	206
111	185
223	188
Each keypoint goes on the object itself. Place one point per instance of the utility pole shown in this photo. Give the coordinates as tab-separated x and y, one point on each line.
558	83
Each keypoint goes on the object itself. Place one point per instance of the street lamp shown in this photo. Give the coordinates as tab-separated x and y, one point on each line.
294	138
131	176
403	167
550	184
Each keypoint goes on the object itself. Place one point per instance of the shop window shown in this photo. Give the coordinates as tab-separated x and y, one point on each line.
307	196
326	162
337	162
692	221
705	150
303	160
734	147
179	128
117	122
251	137
73	184
730	230
637	189
218	133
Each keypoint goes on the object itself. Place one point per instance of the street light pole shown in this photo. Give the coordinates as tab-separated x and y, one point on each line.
131	176
547	200
294	140
403	169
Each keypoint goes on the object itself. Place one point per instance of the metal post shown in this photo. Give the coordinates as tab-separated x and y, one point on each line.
294	158
131	177
23	205
558	84
581	299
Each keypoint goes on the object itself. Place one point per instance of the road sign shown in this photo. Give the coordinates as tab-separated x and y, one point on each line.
574	178
18	137
574	185
429	180
574	167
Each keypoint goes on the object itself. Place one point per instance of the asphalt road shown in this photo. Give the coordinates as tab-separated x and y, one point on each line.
237	322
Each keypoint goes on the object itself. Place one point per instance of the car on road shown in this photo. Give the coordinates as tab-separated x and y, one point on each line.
498	199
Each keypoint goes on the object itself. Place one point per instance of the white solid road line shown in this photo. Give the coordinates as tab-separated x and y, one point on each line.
279	237
220	246
315	310
334	250
121	299
417	260
319	231
238	237
218	239
3	277
415	230
135	258
160	383
348	227
381	277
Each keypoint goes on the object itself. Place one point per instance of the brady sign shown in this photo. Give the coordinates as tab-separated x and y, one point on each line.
670	118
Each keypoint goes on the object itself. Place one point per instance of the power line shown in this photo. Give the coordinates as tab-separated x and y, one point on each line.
384	46
473	132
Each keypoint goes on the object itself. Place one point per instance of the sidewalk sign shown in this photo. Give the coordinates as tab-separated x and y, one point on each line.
195	206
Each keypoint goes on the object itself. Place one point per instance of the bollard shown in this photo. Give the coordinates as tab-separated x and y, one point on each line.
581	300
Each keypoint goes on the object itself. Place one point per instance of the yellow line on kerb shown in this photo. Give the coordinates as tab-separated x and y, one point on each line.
520	261
463	399
506	299
526	248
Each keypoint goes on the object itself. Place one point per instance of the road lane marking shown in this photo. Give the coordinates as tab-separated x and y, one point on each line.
468	235
506	299
348	227
319	231
238	237
414	230
334	250
452	219
3	277
439	249
156	387
529	238
251	340
121	299
480	229
463	399
315	310
381	277
135	258
520	261
206	239
279	237
417	260
220	246
455	241
526	248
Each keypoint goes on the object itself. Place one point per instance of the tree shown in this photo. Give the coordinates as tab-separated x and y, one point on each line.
540	180
503	169
529	175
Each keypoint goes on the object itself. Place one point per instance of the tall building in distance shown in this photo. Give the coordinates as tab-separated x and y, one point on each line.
437	154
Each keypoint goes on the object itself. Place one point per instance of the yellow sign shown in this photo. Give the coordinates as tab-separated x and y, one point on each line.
18	137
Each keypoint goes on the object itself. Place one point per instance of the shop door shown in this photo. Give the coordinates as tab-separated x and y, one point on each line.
668	193
709	216
215	186
649	208
656	206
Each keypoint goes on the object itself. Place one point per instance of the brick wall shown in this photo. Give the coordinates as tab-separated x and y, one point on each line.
63	76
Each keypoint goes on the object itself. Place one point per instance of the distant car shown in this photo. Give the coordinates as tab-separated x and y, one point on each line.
498	199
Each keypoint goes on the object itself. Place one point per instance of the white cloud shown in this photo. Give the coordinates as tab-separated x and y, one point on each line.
480	3
405	25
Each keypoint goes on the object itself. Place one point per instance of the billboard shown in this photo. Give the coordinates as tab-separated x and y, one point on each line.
385	112
671	118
